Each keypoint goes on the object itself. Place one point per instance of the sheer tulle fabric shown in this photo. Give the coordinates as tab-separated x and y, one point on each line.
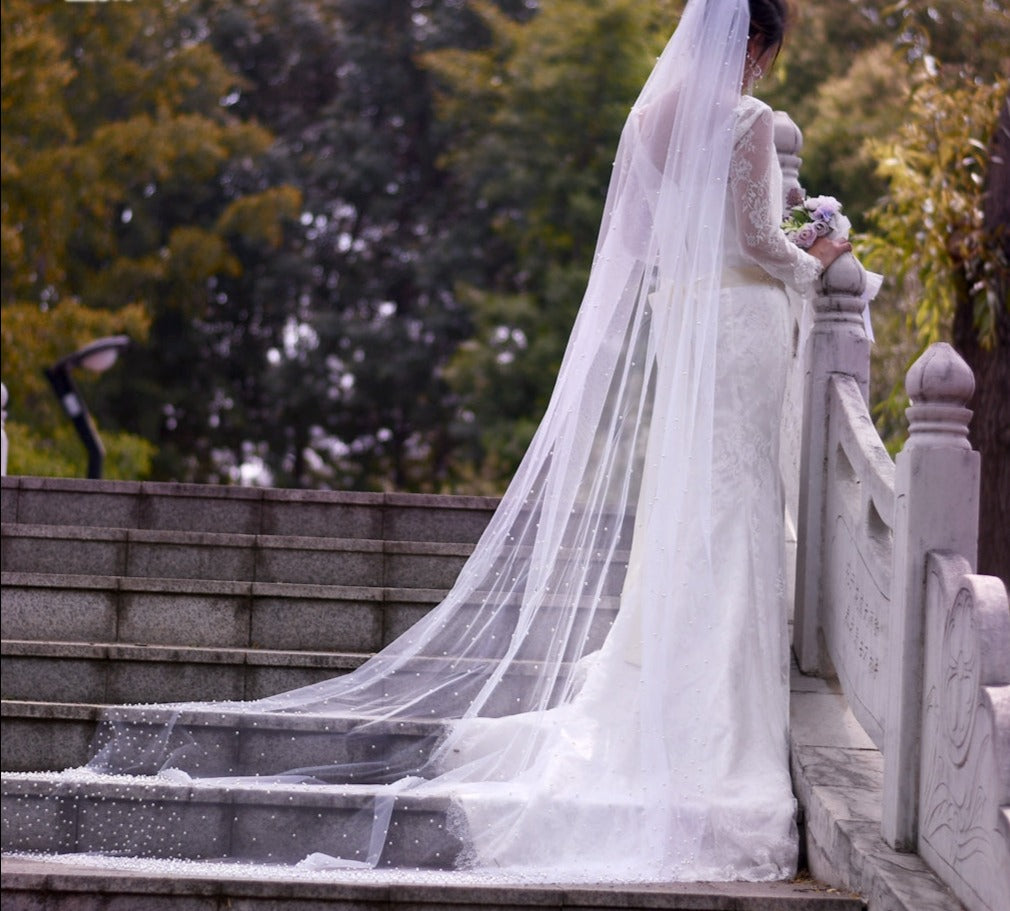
602	695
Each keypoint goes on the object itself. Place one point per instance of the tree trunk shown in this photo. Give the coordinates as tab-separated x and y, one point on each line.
990	426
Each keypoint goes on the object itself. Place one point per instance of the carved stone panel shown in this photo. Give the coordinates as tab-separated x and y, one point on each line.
965	772
856	627
857	547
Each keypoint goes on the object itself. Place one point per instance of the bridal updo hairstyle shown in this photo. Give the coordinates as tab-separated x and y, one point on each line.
768	20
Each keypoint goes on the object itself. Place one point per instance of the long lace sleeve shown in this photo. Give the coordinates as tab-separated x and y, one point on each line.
755	193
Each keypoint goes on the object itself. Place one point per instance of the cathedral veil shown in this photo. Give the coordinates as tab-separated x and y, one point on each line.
566	699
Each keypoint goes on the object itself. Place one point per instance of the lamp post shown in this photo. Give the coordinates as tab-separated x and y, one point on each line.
97	356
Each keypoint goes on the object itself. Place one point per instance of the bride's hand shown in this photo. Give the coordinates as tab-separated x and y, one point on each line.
826	251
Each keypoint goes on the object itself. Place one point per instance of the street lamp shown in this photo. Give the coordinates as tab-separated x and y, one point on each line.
97	356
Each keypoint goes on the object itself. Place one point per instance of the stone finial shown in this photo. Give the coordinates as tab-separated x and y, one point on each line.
846	277
788	144
788	136
939	385
940	375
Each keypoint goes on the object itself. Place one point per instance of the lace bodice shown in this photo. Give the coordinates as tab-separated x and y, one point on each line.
754	203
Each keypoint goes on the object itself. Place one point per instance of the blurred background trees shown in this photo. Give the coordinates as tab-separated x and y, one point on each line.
118	215
348	237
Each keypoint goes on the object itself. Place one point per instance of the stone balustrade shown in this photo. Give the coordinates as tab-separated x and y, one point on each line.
887	600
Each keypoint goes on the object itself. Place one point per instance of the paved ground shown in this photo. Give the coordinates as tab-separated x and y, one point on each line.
838	776
85	889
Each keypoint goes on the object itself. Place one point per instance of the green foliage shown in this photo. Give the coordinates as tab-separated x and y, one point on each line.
535	119
43	441
59	453
932	223
117	215
851	75
929	234
254	218
349	237
350	318
864	102
845	76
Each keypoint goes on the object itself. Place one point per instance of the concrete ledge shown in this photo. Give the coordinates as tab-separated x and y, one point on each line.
45	735
838	777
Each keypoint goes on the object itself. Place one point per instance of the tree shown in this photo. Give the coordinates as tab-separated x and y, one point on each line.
351	392
843	76
991	363
535	119
945	225
357	233
40	324
116	139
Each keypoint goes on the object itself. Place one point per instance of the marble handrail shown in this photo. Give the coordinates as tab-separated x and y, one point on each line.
886	597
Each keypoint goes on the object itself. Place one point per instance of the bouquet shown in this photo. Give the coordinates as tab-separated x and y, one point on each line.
809	218
821	216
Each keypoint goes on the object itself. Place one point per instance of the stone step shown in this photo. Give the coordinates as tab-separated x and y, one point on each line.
114	673
116	815
133	554
45	736
219	741
33	883
244	510
208	613
78	550
208	823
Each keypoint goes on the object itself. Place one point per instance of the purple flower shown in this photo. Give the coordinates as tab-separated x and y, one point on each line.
823	228
823	208
804	238
795	197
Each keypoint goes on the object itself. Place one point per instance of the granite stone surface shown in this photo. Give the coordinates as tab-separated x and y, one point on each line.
838	778
72	612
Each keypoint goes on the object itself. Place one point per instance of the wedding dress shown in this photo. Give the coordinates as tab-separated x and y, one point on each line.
603	694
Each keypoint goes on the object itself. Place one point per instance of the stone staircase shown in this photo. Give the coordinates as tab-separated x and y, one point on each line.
130	593
117	593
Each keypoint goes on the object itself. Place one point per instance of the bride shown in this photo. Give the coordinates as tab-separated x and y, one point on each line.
602	696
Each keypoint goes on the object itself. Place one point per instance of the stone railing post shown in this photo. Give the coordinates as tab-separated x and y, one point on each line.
788	145
936	498
837	344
